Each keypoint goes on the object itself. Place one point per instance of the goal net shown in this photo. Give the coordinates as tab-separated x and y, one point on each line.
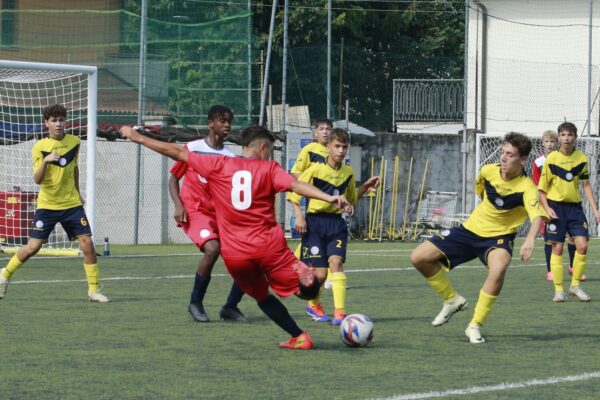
25	89
488	152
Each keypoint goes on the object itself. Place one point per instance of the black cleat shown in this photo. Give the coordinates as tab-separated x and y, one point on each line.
196	310
232	314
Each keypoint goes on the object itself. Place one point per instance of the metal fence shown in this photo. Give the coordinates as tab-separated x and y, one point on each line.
116	193
428	100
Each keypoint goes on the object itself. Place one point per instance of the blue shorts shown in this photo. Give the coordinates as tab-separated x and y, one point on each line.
326	235
459	245
73	221
571	220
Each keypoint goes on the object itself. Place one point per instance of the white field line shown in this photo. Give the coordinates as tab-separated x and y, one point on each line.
348	271
495	388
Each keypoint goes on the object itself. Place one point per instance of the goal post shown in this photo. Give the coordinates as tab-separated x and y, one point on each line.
487	151
26	88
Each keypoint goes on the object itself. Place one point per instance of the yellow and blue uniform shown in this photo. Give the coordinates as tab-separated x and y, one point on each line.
560	181
494	222
58	199
312	153
327	232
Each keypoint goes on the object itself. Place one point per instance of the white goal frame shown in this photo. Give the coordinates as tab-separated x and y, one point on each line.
92	103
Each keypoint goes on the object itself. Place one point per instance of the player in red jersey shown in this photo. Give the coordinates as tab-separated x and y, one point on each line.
253	246
195	213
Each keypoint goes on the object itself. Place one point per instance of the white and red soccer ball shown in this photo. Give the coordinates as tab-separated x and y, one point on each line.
356	330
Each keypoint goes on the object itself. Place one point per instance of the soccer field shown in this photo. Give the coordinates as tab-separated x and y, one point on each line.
144	345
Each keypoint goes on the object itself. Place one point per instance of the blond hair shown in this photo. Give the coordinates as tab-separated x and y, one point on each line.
550	134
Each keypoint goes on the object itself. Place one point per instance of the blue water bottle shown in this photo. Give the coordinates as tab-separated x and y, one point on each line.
106	247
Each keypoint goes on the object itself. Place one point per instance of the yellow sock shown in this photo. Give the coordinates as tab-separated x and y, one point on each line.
317	300
298	252
483	308
338	287
579	264
328	275
556	266
13	265
441	284
92	272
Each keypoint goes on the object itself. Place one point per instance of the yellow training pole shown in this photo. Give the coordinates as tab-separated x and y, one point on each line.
377	201
407	198
371	194
421	197
383	200
393	199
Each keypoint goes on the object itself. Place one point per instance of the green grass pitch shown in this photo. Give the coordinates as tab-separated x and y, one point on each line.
56	345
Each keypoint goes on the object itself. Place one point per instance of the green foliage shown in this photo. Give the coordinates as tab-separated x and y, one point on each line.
382	41
143	345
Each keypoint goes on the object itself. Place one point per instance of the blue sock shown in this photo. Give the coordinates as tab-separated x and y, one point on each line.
235	296
548	252
280	315
199	290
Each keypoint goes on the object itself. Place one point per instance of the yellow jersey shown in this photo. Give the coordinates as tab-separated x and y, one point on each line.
505	204
57	189
331	181
311	153
561	175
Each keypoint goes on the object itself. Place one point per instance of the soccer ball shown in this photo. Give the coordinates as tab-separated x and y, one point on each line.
356	330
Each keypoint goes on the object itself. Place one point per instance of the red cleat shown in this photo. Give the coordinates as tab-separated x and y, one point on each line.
300	342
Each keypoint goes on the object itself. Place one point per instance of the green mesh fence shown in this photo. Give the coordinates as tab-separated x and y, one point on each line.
198	53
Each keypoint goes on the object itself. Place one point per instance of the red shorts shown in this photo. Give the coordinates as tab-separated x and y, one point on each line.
255	275
201	228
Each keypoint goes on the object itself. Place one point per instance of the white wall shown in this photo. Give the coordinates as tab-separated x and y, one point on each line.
537	59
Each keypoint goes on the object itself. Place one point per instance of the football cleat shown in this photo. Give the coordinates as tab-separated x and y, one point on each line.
3	285
300	342
232	314
338	316
450	307
559	297
317	313
196	310
583	277
474	334
577	291
98	297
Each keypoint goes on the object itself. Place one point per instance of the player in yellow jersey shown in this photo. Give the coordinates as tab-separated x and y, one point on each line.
324	231
563	171
508	198
315	152
59	200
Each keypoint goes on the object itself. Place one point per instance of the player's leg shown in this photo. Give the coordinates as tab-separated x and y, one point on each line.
92	271
20	257
338	281
314	254
498	260
42	226
572	251
579	265
547	253
252	278
431	258
556	230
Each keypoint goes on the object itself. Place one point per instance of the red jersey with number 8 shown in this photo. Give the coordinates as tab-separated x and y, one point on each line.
243	193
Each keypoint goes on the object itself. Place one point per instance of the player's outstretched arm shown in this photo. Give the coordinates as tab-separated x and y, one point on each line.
372	182
307	190
170	150
528	244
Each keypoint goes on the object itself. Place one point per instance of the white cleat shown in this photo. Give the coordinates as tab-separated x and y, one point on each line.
577	291
98	297
474	334
450	307
559	297
3	285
